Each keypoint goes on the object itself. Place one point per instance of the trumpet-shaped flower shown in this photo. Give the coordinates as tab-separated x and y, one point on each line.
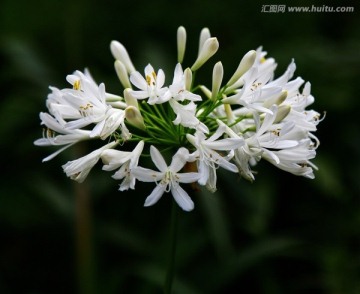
56	134
151	86
178	89
208	159
168	178
78	169
124	160
185	115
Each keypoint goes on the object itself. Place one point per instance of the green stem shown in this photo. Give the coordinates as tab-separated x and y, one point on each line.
173	235
83	240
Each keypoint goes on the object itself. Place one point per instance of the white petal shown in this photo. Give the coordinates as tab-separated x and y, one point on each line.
146	175
113	159
149	70
155	195
225	144
140	94
160	79
51	156
138	80
179	160
158	159
188	177
203	172
182	198
178	74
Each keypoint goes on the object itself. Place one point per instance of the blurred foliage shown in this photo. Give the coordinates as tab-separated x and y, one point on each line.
281	234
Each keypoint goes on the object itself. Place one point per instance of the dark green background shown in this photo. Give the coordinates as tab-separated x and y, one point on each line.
281	234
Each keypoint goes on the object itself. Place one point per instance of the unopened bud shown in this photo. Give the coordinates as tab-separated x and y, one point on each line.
122	74
188	79
204	35
209	48
218	73
119	52
276	100
129	99
282	112
133	116
181	43
245	64
206	91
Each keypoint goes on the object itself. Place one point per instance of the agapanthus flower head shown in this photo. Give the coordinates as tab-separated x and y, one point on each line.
231	125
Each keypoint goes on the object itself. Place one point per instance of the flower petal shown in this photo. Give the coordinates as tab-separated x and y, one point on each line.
147	175
155	195
158	159
138	80
182	198
188	177
179	160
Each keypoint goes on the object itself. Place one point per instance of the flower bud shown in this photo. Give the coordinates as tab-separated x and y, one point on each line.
119	52
218	73
188	79
206	91
204	35
181	43
245	64
133	116
122	74
209	48
129	99
282	112
276	100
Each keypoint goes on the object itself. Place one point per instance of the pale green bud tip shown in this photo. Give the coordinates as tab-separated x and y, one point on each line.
282	112
133	116
218	73
245	64
122	74
206	91
129	99
209	48
119	52
181	43
276	100
188	79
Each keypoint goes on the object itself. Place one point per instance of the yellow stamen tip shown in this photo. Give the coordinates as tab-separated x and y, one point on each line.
77	85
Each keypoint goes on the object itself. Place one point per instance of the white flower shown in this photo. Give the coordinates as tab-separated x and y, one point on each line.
168	178
185	115
89	100
208	159
78	169
151	86
178	88
294	160
85	104
56	134
124	160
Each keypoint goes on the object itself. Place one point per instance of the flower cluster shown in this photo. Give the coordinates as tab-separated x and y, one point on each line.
231	124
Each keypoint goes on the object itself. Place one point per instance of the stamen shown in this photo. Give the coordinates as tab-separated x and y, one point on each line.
154	75
76	85
84	109
148	80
